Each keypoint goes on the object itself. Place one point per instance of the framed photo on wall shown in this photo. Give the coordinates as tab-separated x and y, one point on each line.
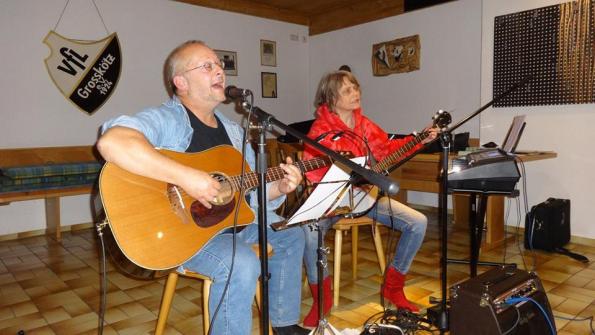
269	84
229	60
268	53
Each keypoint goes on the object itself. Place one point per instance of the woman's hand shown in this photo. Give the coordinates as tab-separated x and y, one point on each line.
433	133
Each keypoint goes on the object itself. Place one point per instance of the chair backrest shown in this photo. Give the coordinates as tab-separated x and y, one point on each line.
295	151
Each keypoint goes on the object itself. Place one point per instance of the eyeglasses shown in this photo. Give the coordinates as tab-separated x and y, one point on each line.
206	67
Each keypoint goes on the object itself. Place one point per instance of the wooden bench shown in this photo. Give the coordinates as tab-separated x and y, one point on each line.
47	156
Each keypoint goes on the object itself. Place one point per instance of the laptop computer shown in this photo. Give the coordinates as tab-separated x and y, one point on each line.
514	134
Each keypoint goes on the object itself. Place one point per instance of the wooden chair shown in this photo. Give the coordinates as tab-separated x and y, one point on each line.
344	225
170	290
295	150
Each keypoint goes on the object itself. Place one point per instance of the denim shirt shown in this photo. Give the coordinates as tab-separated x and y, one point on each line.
168	127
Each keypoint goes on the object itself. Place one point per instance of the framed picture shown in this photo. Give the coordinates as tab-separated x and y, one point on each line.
229	60
269	84
268	53
397	56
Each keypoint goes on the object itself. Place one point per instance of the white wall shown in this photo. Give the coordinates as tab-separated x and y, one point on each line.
449	75
456	75
34	112
566	129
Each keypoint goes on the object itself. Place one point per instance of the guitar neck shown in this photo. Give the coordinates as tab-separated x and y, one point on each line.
390	160
276	173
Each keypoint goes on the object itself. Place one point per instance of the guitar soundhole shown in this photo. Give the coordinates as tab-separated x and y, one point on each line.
226	192
222	205
206	217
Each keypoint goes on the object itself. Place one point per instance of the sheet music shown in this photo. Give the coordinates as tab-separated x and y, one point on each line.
327	195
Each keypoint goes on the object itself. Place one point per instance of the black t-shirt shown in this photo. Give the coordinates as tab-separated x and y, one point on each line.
205	137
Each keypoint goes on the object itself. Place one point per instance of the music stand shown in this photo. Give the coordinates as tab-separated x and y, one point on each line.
320	205
326	197
321	263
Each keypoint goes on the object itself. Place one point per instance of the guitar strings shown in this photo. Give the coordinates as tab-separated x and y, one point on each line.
394	157
273	173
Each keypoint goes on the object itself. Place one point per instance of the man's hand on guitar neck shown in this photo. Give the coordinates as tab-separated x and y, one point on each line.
291	179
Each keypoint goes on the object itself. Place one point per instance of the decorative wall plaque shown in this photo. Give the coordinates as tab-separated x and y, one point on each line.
396	56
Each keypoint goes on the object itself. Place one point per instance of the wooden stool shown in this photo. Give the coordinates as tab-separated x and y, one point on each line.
170	290
353	225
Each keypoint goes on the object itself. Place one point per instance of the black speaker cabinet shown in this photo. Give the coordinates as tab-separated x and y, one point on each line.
477	305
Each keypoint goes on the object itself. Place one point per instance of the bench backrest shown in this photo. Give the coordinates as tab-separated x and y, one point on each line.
48	155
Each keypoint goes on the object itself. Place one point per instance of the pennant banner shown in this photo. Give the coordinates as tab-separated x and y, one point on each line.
86	72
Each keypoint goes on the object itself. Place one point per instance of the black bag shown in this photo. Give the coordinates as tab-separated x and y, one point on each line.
547	227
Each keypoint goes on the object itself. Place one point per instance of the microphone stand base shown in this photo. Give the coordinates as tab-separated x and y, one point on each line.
438	317
324	328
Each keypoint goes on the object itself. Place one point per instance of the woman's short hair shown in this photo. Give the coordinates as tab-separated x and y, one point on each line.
329	86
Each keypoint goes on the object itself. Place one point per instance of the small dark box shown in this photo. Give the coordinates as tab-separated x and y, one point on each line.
547	225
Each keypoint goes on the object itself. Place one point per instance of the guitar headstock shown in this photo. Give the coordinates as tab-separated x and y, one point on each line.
441	119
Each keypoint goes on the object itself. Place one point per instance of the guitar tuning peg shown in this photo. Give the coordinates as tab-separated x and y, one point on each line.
414	133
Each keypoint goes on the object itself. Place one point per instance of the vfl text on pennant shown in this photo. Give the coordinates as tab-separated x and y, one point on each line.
86	72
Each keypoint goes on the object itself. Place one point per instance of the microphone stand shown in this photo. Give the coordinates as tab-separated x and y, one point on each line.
261	167
384	183
438	314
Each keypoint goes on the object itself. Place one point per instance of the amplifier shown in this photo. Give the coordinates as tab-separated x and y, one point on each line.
478	304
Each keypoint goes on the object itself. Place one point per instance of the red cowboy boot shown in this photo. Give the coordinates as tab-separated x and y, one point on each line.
311	320
393	290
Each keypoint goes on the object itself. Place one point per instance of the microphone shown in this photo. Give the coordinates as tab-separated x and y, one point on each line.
232	92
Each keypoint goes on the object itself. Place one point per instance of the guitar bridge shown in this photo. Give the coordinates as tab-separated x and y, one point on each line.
176	201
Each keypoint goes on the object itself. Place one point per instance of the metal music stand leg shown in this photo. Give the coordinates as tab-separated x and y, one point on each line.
324	327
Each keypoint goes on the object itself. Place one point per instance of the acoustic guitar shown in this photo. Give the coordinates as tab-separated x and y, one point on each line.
157	226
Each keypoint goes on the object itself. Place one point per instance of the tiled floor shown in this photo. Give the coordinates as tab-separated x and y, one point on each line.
52	288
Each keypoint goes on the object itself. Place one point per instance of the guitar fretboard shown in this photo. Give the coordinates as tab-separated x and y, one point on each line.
396	156
276	173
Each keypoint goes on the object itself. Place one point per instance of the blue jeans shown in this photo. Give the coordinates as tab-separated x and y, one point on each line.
235	314
410	222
